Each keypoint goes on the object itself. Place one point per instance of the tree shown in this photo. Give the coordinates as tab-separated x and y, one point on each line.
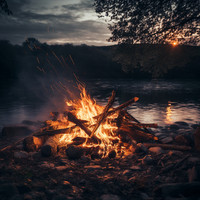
4	7
155	59
152	21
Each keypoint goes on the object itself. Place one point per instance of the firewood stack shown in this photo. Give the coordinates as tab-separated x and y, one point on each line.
129	131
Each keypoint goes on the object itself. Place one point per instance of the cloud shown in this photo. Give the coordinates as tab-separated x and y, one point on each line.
73	22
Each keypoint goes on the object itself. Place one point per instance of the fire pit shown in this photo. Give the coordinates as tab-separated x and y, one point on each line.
88	128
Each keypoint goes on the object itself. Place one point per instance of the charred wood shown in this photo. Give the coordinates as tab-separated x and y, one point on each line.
103	116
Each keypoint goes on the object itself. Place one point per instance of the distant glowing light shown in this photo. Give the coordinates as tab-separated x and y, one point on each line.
174	43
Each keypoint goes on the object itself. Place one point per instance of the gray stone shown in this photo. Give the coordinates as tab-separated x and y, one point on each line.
156	150
167	140
21	154
109	197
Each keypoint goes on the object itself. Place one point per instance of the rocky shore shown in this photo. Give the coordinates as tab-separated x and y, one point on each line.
148	173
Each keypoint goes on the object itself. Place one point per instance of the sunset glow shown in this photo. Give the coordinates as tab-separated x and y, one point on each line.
174	43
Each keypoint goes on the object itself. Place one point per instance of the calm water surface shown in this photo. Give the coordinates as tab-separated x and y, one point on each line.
162	102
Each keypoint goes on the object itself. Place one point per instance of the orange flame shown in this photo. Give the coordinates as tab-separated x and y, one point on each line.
85	108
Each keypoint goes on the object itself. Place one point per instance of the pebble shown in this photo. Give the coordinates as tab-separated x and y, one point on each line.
67	184
61	168
167	140
126	172
174	127
141	148
195	126
181	123
21	154
92	167
182	140
156	150
135	168
47	165
147	160
109	197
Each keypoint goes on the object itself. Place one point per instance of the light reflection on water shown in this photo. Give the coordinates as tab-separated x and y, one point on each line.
162	102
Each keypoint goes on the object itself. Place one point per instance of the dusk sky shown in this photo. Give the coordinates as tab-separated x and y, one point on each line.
54	21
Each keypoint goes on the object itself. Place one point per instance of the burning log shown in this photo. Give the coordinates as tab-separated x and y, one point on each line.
78	122
33	143
121	107
55	132
169	146
137	135
124	105
50	147
130	117
120	118
103	116
140	125
81	140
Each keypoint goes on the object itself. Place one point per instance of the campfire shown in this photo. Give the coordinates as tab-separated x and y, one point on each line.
101	131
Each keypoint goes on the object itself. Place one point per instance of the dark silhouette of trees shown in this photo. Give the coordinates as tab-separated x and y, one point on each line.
4	7
157	59
152	21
